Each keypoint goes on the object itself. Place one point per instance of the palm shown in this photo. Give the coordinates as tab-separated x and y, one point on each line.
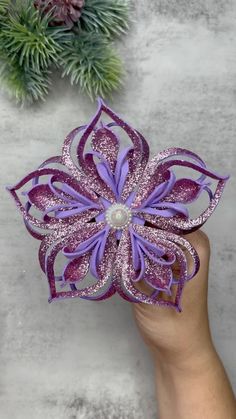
164	328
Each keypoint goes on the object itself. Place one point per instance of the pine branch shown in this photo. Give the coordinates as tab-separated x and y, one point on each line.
24	36
91	62
24	84
30	45
110	17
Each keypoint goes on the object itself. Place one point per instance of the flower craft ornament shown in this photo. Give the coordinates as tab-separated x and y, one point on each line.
115	216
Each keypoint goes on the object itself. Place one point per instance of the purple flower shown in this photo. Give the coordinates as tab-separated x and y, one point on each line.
117	214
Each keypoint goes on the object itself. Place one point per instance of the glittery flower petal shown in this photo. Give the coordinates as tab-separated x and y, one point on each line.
42	197
71	242
106	143
148	186
154	173
135	169
171	242
106	265
97	182
158	276
151	261
104	270
184	191
76	269
103	295
70	235
69	189
138	158
102	107
54	176
123	281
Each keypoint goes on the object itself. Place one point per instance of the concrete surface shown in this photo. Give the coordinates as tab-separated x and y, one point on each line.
77	359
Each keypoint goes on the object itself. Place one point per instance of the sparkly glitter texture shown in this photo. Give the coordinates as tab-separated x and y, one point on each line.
115	215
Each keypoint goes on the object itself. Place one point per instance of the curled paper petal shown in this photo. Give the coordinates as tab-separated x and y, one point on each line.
184	191
76	269
106	143
180	221
158	276
115	217
42	197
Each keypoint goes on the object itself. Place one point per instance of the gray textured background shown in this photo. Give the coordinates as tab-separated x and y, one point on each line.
77	359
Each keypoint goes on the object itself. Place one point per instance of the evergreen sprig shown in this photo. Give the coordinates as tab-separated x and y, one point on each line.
28	46
110	17
24	35
31	45
23	83
92	63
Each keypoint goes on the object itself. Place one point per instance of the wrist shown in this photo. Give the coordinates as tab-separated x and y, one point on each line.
194	387
195	357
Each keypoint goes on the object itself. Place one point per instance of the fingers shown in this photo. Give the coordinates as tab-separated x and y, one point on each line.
195	290
200	241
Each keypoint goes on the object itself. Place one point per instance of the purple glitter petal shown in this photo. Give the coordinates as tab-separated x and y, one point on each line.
69	186
123	264
50	260
104	295
163	238
183	225
140	154
123	269
76	269
185	191
42	197
159	192
97	182
66	157
154	175
136	170
33	231
52	224
106	143
105	268
79	231
158	276
122	170
165	209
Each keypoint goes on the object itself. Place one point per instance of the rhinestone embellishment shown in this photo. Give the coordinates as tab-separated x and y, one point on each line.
118	216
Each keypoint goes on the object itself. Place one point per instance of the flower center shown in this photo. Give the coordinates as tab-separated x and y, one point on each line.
118	216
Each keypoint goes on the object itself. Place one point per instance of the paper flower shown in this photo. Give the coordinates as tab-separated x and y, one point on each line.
114	214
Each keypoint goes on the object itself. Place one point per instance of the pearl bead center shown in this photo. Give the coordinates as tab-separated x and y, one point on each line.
118	216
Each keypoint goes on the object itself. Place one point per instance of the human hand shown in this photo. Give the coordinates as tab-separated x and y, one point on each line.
172	334
191	381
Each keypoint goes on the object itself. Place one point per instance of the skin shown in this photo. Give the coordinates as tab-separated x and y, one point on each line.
191	382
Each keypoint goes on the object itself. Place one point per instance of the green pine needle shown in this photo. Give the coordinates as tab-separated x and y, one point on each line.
4	6
24	84
91	62
110	17
24	37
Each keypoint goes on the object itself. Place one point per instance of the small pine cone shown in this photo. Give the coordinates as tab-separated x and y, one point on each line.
65	12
